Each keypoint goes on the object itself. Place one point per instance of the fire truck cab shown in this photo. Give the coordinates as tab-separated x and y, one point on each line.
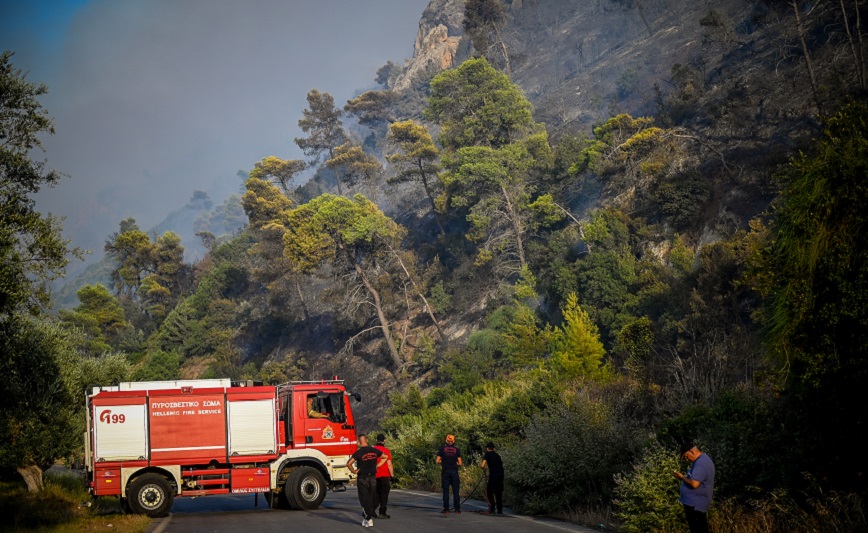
149	442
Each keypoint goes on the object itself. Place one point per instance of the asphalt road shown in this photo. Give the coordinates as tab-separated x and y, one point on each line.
414	511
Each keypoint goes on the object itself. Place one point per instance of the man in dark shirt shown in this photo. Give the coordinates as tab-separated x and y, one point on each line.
494	490
364	463
449	457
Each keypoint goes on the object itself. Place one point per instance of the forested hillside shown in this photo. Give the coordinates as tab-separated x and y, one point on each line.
588	231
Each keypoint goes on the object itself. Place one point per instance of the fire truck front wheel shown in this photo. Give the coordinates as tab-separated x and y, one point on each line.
305	488
150	494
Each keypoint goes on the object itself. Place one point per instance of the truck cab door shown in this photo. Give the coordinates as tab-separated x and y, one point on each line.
334	435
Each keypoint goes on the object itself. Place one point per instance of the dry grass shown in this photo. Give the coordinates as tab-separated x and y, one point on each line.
778	512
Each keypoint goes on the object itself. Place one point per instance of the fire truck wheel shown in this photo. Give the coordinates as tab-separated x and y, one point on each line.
305	488
151	494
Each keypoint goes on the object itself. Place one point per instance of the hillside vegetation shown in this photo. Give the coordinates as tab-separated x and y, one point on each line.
589	282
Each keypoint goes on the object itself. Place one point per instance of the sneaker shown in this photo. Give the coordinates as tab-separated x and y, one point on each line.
444	511
457	511
384	515
484	512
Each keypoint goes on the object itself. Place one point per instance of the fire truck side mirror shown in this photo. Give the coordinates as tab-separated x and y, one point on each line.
357	396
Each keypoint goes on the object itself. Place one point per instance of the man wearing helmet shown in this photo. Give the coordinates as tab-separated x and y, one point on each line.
449	457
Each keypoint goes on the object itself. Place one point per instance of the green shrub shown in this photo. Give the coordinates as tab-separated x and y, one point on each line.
569	455
646	496
473	417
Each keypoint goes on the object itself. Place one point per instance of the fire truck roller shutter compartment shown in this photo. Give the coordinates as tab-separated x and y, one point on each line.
188	427
120	429
252	425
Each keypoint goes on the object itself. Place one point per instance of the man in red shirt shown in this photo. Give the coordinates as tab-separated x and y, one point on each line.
385	473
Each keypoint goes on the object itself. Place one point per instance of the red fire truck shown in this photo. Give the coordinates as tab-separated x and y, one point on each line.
148	442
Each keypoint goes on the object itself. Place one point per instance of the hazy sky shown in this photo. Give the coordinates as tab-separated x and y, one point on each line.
152	99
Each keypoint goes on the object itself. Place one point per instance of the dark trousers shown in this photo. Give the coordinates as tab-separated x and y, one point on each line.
494	491
381	496
449	478
367	486
697	521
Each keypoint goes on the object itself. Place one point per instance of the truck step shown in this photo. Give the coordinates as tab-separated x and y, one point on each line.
208	472
204	492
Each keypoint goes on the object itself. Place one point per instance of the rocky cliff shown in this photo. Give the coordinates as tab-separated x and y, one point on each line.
582	62
730	74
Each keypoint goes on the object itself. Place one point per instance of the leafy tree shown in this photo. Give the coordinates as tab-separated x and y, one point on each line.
160	366
478	106
38	396
353	166
817	315
149	276
372	108
282	171
387	74
492	148
576	348
523	339
130	248
416	160
100	317
350	235
267	210
290	368
37	359
496	185
263	202
32	250
224	221
322	123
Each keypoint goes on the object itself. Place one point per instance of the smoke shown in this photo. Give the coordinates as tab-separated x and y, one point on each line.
154	99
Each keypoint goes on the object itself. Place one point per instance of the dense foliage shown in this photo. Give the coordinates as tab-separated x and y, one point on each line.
582	300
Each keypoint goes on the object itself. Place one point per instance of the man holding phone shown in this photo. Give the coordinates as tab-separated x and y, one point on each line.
697	487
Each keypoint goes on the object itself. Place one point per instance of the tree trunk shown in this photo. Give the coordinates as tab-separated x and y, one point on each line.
517	227
644	20
503	50
808	63
301	298
32	477
860	74
578	225
859	47
421	296
384	323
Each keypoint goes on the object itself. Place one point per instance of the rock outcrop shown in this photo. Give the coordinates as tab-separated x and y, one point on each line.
437	43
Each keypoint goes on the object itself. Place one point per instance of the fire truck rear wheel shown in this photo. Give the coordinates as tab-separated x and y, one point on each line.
151	495
305	488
